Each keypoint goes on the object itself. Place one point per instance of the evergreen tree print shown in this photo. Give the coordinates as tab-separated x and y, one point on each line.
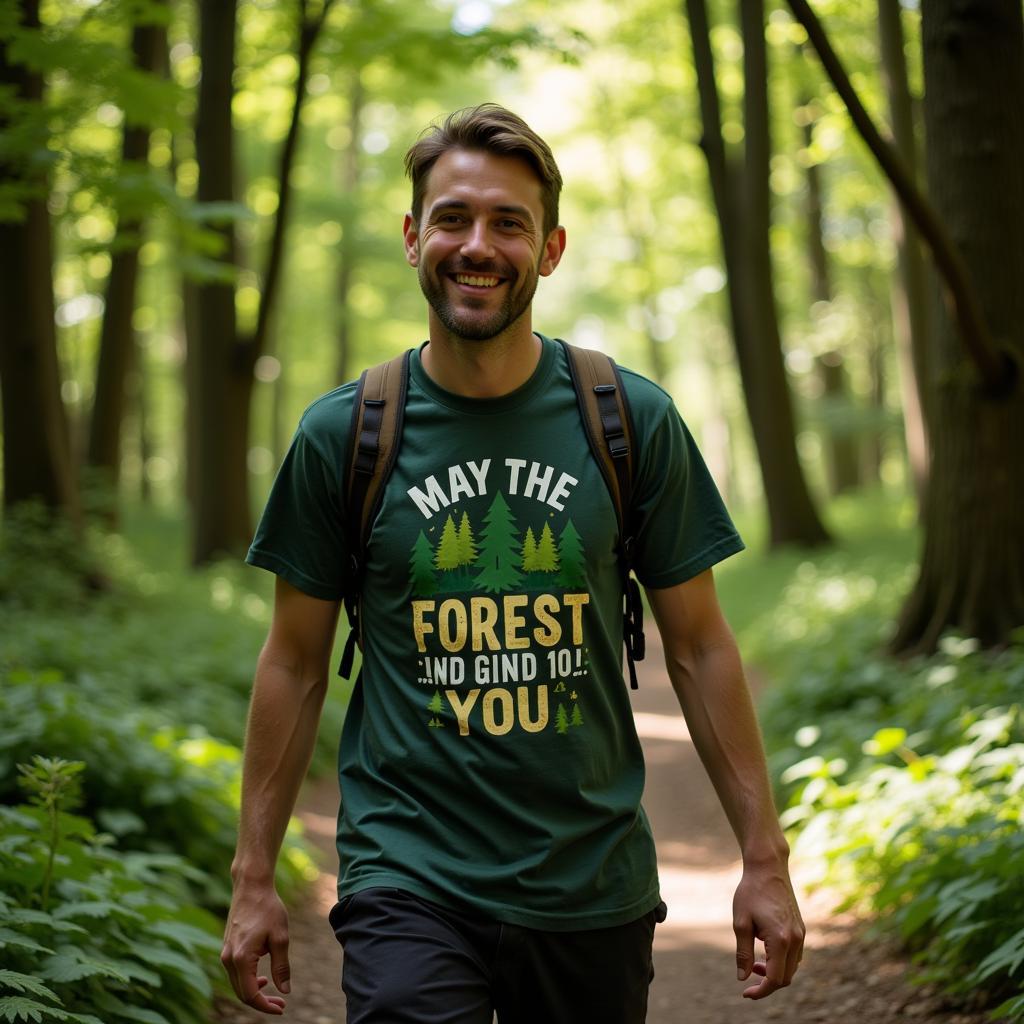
561	721
447	557
547	553
467	542
570	553
529	562
435	704
577	715
421	567
498	556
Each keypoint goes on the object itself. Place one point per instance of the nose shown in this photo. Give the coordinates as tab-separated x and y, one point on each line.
477	244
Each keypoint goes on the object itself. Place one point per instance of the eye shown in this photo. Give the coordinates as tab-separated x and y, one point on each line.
509	224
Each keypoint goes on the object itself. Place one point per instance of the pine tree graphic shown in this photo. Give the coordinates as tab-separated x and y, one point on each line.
577	716
498	556
435	723
561	721
570	551
547	553
467	543
435	704
447	556
529	562
421	568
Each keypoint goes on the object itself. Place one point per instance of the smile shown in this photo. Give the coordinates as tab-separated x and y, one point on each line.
477	281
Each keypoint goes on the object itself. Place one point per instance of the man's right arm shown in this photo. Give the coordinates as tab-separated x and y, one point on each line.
287	697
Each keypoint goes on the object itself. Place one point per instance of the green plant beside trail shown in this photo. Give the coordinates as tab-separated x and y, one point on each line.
903	781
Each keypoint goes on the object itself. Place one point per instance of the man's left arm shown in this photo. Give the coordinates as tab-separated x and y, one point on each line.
704	667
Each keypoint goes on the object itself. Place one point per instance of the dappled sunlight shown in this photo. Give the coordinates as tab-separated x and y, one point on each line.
650	726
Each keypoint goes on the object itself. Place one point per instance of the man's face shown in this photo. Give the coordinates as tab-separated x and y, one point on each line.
479	246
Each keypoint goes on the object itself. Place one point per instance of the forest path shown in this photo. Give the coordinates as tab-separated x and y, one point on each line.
842	980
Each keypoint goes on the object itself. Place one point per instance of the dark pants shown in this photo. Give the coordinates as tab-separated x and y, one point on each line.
410	961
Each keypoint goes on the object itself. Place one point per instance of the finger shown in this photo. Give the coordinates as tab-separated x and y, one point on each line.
794	955
280	969
744	929
765	988
264	1003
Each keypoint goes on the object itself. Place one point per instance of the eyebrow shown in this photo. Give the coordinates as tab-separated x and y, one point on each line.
459	204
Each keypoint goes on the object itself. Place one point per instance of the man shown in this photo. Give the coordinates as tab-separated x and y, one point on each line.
494	854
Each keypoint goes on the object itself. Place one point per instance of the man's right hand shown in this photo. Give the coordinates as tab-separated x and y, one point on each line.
257	925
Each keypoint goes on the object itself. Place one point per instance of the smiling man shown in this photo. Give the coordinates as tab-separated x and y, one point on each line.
495	857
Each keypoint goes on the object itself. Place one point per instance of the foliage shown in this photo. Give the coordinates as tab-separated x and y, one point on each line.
904	781
123	941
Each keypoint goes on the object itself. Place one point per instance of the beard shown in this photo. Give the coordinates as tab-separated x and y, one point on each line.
469	319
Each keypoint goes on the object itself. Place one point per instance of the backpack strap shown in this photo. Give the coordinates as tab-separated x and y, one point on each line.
374	438
608	425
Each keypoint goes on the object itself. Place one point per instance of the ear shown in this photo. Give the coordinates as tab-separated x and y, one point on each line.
411	236
553	249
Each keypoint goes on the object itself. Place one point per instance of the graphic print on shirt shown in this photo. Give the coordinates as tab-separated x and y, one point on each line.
498	598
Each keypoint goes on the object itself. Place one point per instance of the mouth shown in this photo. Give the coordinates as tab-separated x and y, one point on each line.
476	284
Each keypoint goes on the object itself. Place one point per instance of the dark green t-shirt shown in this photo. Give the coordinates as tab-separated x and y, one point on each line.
489	758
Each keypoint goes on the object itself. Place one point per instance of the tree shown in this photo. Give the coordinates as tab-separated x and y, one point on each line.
421	568
467	543
448	556
972	566
571	557
547	554
37	450
577	715
117	336
741	197
499	557
529	562
561	720
435	704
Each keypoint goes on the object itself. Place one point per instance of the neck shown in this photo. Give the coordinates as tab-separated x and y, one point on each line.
481	369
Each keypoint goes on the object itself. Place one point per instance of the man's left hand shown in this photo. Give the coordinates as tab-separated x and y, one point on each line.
764	907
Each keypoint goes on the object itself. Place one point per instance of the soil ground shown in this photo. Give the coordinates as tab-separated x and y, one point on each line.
843	979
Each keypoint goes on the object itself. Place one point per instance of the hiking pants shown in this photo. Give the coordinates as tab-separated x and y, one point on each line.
410	961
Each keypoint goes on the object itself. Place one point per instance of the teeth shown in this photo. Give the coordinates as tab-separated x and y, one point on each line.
478	282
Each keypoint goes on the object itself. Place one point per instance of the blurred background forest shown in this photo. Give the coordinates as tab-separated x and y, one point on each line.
805	222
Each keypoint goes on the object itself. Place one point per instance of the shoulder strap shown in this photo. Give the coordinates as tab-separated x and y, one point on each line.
608	425
374	439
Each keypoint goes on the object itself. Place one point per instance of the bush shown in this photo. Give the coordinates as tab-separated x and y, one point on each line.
92	933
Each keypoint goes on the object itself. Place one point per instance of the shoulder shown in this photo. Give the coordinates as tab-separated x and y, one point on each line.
326	421
649	403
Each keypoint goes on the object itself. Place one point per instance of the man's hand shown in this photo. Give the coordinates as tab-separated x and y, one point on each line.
764	907
257	925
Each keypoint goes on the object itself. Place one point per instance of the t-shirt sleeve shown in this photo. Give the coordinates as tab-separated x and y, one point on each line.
301	534
682	526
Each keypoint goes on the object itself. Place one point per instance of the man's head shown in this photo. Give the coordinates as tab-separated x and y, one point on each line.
484	221
487	128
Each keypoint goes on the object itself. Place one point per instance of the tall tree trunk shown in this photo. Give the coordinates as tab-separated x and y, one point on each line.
972	569
909	293
117	337
221	500
37	456
742	201
350	176
841	460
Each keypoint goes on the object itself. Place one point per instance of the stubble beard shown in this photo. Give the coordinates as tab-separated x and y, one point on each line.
463	323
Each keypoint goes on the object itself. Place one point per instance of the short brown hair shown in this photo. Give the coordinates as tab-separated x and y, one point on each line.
493	129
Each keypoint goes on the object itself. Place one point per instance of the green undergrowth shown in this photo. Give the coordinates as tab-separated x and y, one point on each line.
141	676
902	780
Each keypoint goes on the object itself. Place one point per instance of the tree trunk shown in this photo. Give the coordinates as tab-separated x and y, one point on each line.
841	457
972	568
350	177
117	337
221	517
909	293
37	456
742	200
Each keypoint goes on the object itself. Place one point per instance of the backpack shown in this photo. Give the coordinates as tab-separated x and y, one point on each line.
376	434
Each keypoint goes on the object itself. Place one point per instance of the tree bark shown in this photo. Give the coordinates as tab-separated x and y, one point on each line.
37	455
972	568
117	336
909	292
350	177
741	198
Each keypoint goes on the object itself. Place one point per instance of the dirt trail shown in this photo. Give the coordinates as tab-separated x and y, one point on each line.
843	980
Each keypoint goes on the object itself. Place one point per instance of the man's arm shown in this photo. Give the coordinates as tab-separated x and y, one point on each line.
704	667
287	697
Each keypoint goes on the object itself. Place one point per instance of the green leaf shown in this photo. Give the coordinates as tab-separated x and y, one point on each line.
15	1008
10	938
96	909
885	741
26	983
71	965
